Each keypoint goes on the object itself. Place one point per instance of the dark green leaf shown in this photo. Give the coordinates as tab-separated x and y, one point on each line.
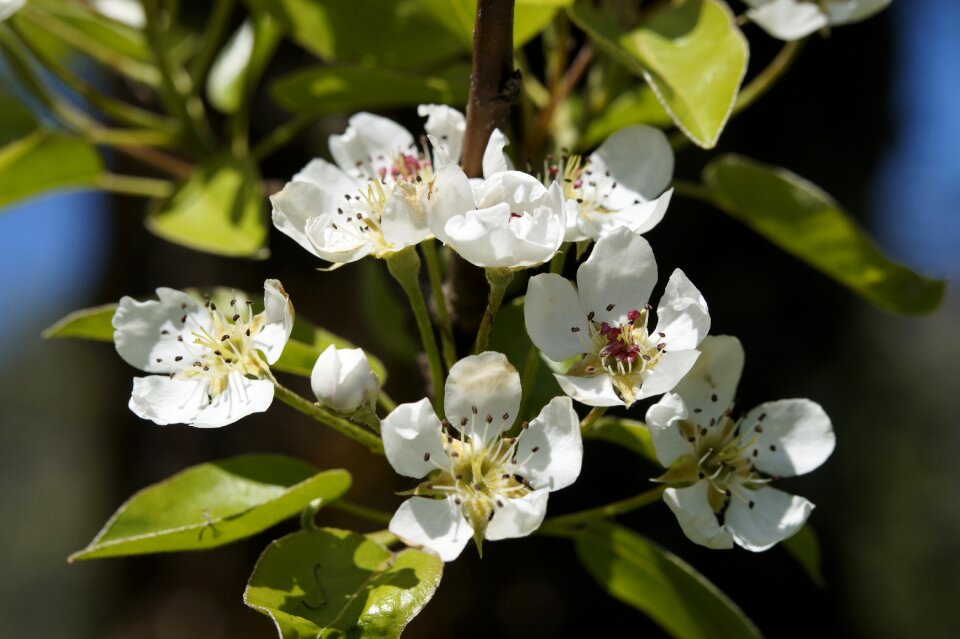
220	209
529	19
335	583
805	222
691	53
45	160
373	33
88	323
638	105
325	90
213	504
805	548
16	120
658	583
630	434
509	336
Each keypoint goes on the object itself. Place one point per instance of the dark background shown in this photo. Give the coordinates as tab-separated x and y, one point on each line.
869	114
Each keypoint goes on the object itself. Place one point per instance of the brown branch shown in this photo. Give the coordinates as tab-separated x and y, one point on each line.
494	86
165	162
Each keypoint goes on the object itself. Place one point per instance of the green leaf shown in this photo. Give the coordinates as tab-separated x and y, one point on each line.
638	105
396	34
88	323
530	17
324	90
335	583
509	336
220	209
213	504
805	222
45	160
241	62
628	433
691	54
16	120
658	583
805	548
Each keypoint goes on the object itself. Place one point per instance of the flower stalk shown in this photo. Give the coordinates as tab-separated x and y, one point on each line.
326	418
499	280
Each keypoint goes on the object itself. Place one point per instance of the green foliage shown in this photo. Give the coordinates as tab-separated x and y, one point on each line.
218	210
323	90
233	76
530	17
385	312
805	222
805	548
691	54
628	433
638	105
373	33
213	504
335	583
664	587
88	323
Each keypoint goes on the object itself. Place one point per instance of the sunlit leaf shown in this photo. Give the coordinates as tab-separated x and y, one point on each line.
220	209
241	62
628	433
213	504
804	221
336	583
530	17
374	33
638	105
661	585
88	323
323	90
691	53
46	160
805	548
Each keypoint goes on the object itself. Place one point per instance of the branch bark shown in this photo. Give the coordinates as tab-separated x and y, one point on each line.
494	86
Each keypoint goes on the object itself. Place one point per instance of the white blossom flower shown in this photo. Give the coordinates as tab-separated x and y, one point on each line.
210	371
620	185
506	221
795	19
605	319
10	7
369	202
342	380
723	464
479	481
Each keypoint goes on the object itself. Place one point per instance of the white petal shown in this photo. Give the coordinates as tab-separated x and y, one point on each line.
412	439
517	517
592	391
551	310
450	195
550	450
682	314
637	218
278	311
146	332
296	206
436	524
168	401
668	442
712	382
621	271
338	244
668	372
695	516
342	379
402	221
367	137
446	125
242	397
494	158
847	11
128	12
484	390
795	436
640	161
775	516
789	19
328	177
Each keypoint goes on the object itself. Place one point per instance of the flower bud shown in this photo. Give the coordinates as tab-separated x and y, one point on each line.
342	380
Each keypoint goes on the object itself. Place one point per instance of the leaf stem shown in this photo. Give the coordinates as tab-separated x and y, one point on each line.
218	18
556	524
282	135
370	514
498	279
771	74
587	423
327	418
134	185
429	248
404	266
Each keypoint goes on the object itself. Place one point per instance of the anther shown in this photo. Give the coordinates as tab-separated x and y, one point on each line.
164	332
179	338
248	332
773	448
426	457
506	416
499	504
534	449
233	302
610	307
525	425
474	409
457	501
213	306
751	504
224	338
178	358
713	397
217	353
159	359
463	421
489	419
701	475
590	316
662	334
236	317
183	320
574	329
183	306
758	428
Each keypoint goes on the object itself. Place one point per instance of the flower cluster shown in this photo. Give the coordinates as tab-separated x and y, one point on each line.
484	472
795	19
